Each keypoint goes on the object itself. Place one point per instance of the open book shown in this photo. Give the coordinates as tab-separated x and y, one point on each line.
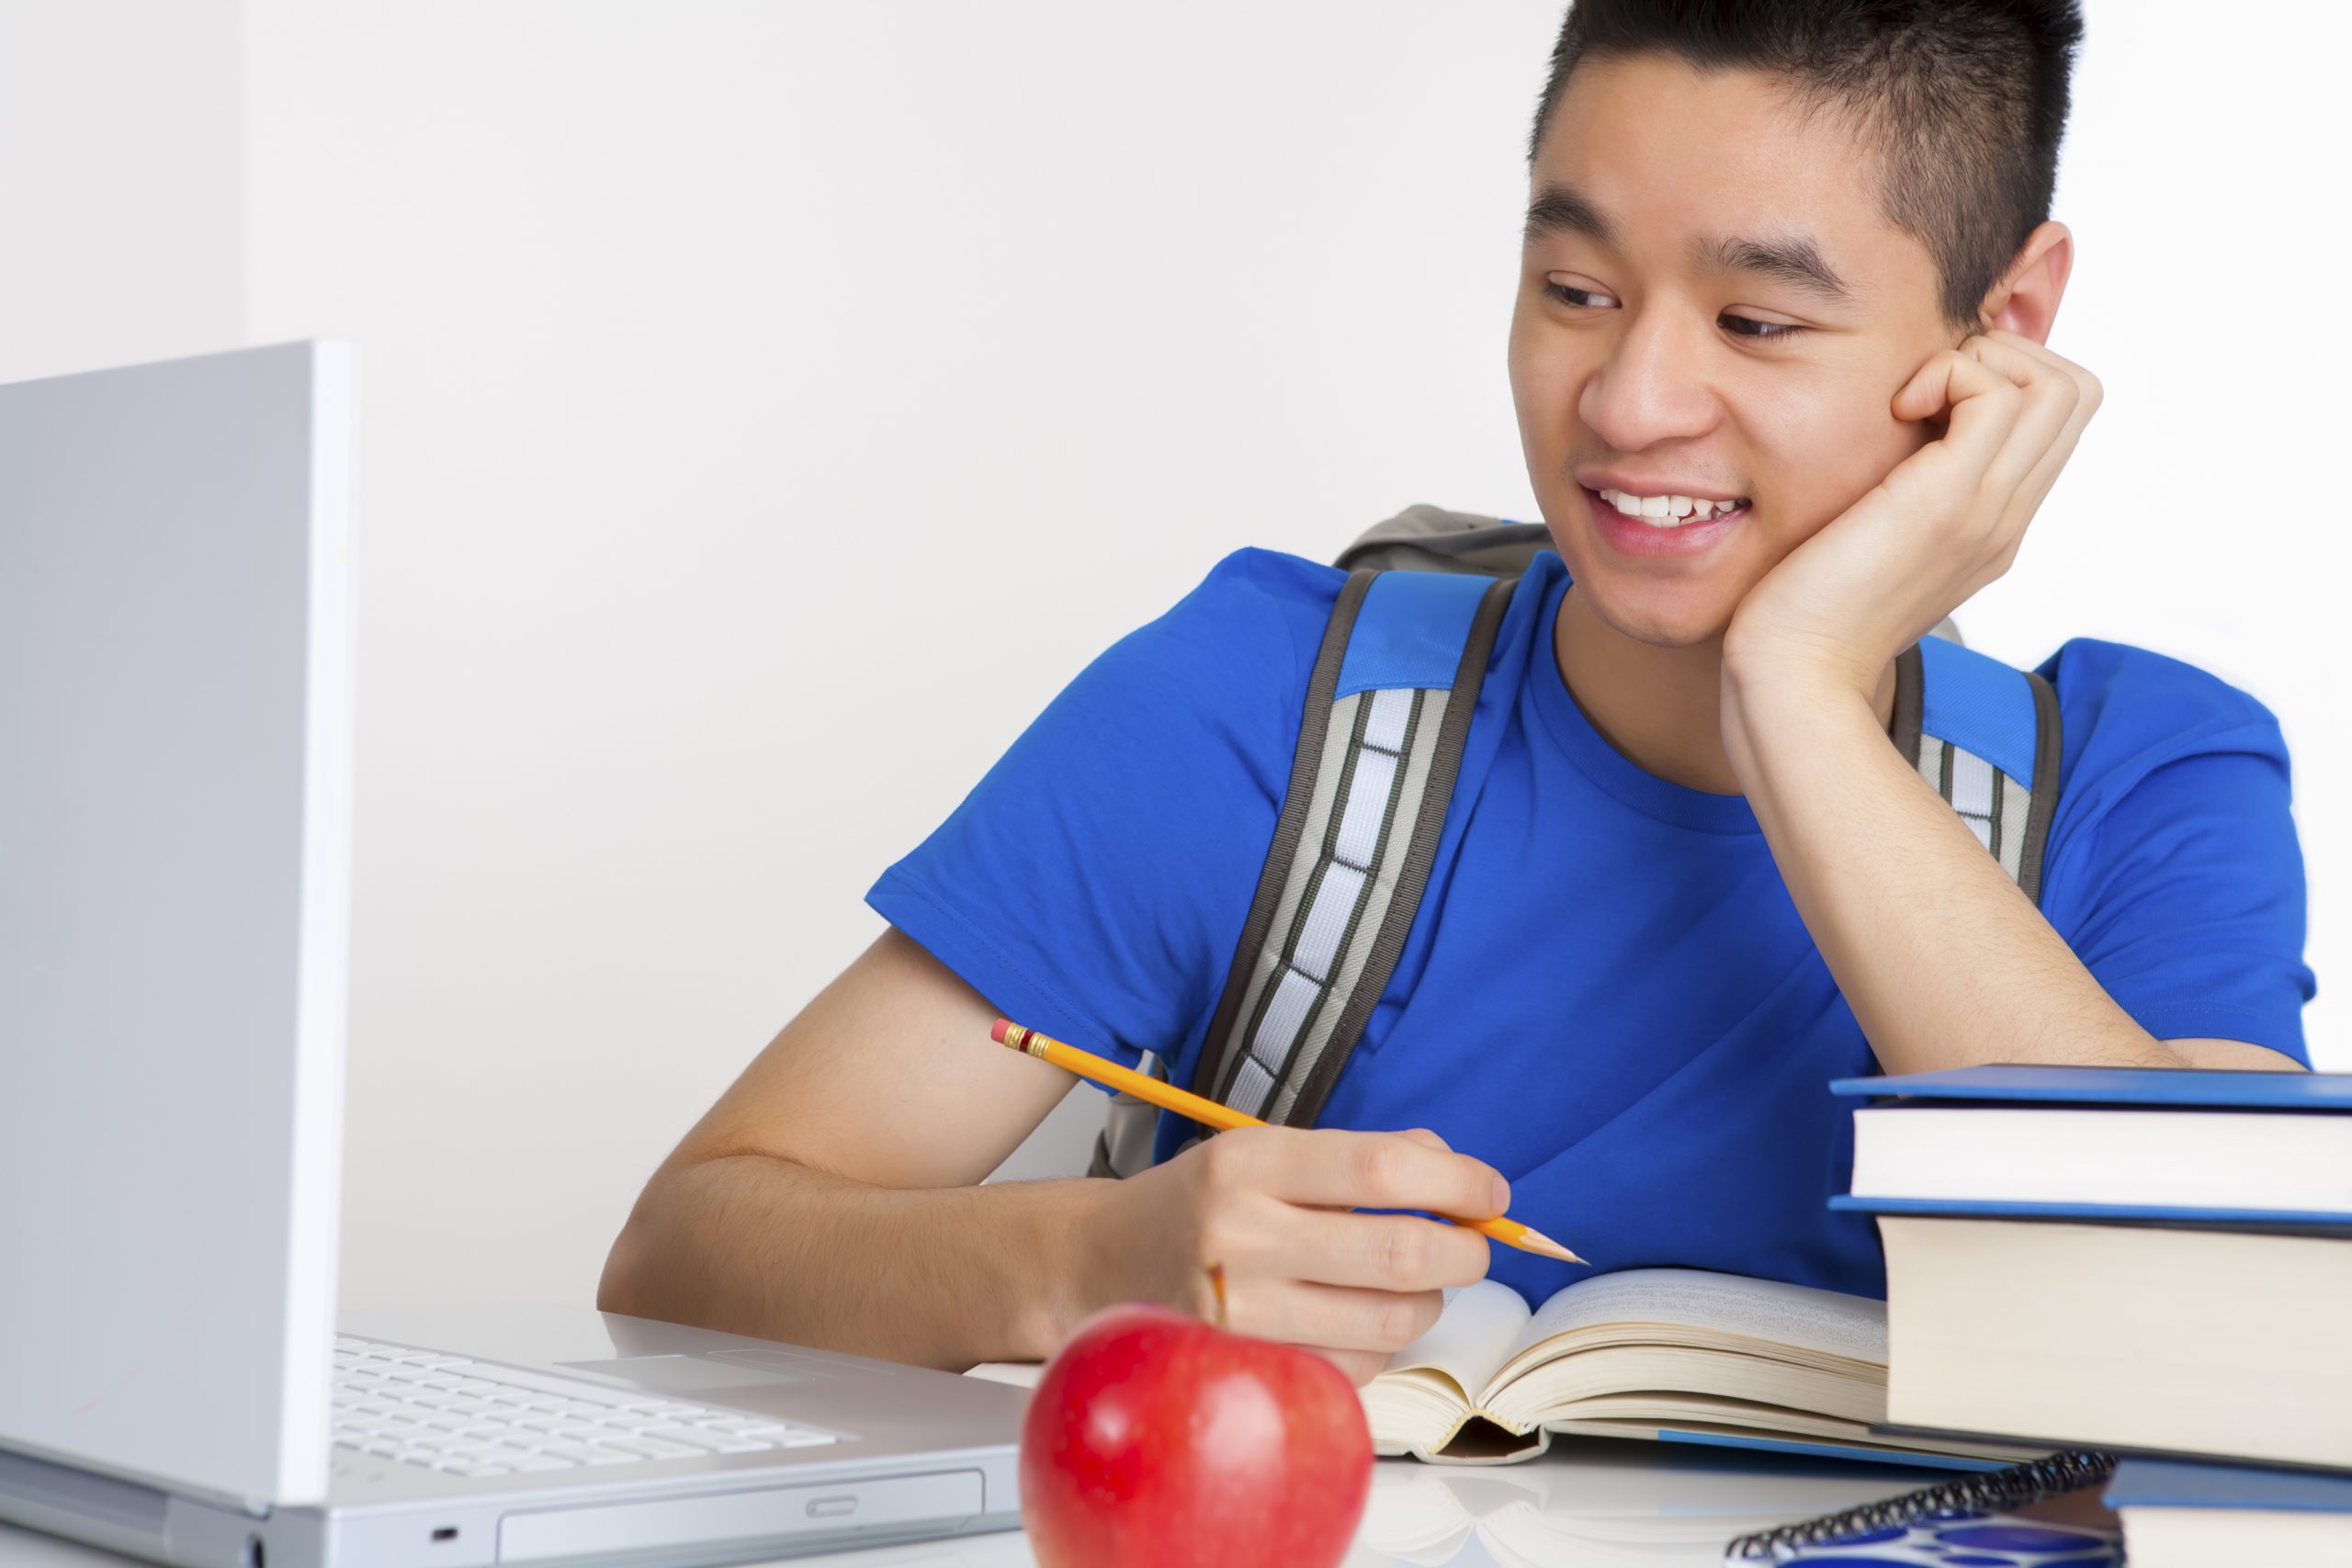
1675	1353
1683	1354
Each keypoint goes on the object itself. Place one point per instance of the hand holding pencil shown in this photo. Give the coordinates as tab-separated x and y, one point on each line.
1210	1114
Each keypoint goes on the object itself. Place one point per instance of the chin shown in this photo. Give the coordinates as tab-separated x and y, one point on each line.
1661	628
1662	615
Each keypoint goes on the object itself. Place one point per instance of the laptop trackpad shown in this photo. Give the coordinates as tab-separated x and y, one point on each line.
696	1374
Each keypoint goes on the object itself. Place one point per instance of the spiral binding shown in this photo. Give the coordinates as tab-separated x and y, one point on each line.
1986	1490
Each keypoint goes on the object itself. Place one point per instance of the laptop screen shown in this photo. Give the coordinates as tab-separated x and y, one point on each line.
175	660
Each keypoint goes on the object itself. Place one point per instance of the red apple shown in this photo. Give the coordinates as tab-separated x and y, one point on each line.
1157	1440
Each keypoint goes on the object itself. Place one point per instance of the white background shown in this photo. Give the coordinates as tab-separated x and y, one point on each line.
769	406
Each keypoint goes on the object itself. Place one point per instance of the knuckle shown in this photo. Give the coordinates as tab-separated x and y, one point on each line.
1404	1251
1222	1156
1378	1166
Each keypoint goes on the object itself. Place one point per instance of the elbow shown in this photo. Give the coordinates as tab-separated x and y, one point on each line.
634	1267
620	1287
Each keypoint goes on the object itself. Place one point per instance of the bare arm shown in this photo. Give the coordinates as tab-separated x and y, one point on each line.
830	1197
1974	975
827	1199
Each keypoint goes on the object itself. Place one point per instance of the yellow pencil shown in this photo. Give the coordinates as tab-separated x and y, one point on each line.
1209	1113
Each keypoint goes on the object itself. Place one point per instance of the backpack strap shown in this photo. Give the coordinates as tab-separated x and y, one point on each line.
1388	709
1986	736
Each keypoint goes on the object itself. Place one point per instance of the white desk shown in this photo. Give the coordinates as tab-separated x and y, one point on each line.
1595	1503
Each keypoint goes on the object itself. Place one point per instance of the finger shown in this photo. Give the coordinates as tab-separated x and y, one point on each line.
1950	380
2089	394
1388	1252
1337	1168
2043	354
1423	1135
1983	405
1334	1316
2050	400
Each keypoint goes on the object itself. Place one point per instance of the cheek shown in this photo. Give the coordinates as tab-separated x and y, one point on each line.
1825	454
1537	386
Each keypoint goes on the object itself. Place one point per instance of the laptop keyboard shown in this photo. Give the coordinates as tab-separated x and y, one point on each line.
468	1417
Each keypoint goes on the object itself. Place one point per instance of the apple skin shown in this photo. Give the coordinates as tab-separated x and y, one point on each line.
1157	1440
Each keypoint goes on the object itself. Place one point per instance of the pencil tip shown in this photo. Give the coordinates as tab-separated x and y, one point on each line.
1551	1249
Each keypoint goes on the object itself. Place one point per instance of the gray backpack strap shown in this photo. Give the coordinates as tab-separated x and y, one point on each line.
1129	1126
1986	736
1382	735
1378	749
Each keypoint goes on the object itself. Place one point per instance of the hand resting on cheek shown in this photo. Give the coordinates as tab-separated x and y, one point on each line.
2004	414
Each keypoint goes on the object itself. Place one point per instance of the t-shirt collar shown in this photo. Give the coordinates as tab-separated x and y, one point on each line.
1611	770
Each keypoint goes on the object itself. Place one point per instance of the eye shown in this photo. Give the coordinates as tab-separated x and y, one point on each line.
1582	298
1766	331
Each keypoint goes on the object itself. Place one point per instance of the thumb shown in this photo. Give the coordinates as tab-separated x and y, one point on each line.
1424	1137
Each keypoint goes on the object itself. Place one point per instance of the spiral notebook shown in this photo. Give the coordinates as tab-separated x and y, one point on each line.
1970	1516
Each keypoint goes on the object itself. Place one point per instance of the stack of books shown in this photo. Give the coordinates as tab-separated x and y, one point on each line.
2151	1261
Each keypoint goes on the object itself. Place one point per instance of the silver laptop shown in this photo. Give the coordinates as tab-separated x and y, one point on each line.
175	741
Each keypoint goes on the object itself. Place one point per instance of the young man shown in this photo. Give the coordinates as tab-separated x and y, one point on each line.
1791	257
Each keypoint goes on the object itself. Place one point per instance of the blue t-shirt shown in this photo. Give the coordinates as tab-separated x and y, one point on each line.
1607	993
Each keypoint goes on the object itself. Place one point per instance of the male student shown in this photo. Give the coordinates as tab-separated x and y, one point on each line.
1791	257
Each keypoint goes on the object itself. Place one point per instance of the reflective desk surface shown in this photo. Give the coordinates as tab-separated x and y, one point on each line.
1596	1503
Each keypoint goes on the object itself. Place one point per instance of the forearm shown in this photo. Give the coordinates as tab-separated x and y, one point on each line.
1943	960
945	1278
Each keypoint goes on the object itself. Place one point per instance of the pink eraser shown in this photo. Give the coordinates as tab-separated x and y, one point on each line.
996	1030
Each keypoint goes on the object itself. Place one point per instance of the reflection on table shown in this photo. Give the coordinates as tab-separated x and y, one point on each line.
1590	1503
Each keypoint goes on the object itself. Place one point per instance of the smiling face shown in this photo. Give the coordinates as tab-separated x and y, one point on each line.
1681	223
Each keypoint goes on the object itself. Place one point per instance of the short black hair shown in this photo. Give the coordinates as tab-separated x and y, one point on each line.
1965	99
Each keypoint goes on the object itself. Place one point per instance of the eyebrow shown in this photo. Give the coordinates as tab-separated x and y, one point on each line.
1794	260
1559	209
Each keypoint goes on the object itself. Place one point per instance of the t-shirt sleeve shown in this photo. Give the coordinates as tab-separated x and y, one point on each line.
2174	871
1093	884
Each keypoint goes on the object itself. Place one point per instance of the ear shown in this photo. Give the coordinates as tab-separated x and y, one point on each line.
2025	300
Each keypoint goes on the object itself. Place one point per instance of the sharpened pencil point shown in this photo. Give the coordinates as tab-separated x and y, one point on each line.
1550	1248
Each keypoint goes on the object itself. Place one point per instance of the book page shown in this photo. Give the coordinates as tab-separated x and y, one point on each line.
1471	1338
1825	1321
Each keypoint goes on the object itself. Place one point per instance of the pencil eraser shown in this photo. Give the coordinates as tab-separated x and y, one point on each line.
996	1030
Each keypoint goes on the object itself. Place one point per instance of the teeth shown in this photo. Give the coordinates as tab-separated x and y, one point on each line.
1667	511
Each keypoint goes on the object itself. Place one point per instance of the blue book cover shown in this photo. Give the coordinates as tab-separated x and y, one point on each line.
2173	1483
1827	1448
2198	1087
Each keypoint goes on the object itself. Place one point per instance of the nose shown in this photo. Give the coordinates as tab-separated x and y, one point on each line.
1649	390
